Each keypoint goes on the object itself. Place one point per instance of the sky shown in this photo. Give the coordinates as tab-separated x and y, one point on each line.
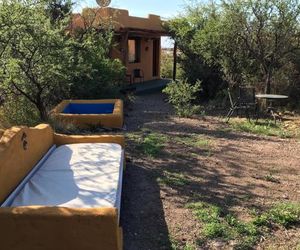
164	8
141	8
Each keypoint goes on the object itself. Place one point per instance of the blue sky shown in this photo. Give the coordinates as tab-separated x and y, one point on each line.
163	8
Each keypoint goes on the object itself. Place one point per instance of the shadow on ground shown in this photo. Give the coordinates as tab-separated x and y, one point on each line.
142	218
231	174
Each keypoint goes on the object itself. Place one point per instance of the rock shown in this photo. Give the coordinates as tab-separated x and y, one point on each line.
285	196
219	244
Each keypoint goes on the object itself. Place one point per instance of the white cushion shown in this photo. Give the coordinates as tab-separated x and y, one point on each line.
86	175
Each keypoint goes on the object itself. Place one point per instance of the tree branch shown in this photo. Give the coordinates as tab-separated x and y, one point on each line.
23	93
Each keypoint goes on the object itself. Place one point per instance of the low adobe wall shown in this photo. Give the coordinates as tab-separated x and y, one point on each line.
49	228
1	132
114	120
20	150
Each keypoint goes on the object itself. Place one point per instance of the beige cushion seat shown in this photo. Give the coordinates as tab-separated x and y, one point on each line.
85	175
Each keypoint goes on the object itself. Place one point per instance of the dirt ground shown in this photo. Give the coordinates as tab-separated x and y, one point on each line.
230	173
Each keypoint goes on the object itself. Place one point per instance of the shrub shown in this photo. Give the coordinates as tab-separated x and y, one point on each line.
167	64
240	42
96	75
18	111
181	95
42	61
35	55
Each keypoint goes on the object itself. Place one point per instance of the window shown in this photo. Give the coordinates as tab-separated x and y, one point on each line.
134	50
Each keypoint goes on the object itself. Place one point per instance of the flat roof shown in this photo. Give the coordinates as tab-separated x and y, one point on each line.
120	20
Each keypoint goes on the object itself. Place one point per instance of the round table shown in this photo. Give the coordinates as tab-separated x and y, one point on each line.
271	98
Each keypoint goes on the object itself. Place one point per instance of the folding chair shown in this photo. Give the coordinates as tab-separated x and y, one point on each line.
138	73
246	101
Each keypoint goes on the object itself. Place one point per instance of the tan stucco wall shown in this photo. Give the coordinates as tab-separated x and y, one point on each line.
15	161
146	63
55	228
114	120
120	18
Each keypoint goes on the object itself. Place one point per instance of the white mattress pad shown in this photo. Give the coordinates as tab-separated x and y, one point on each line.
86	175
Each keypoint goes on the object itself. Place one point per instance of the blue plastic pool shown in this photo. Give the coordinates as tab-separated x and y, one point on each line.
89	108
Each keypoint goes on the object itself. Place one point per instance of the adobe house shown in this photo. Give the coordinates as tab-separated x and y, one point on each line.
137	39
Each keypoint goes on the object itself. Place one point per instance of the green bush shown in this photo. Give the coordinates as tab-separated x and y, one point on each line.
181	95
35	56
18	111
167	64
43	62
240	42
96	75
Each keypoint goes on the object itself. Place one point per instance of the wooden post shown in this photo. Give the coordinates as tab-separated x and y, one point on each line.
175	61
125	44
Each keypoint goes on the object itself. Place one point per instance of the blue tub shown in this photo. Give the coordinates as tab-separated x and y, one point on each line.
89	108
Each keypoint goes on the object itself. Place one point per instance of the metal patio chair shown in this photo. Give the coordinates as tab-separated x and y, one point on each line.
246	101
138	73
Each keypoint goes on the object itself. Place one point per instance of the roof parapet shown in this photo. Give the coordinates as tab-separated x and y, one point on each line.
119	18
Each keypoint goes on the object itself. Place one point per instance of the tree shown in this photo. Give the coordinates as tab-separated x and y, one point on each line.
96	75
43	59
35	55
194	62
59	9
246	41
266	32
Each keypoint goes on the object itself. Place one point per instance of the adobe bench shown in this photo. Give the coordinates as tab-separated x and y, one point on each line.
59	191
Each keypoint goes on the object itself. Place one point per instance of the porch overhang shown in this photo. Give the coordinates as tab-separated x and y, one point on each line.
147	33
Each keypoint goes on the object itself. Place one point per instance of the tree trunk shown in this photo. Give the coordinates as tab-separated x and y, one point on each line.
175	61
42	111
268	82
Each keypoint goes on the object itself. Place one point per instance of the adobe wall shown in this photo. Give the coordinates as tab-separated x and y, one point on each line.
121	19
146	63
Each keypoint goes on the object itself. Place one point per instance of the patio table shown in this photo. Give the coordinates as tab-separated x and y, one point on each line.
271	98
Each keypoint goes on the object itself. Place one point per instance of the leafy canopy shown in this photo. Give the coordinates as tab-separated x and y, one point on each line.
35	54
243	41
44	59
